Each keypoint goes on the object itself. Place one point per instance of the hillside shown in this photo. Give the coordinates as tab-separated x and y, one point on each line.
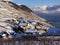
12	10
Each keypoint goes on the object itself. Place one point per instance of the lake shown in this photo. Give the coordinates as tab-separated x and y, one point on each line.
52	18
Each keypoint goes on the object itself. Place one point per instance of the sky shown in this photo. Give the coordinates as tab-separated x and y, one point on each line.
33	3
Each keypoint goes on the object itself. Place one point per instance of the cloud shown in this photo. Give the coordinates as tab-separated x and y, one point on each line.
44	7
58	10
55	7
40	8
48	9
51	13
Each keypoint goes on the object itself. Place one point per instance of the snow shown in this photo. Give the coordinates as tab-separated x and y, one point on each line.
22	24
31	30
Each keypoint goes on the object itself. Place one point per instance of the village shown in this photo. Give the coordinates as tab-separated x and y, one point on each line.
16	25
21	25
15	28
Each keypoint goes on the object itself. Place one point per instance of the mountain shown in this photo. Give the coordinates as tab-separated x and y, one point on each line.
50	13
13	10
10	9
54	7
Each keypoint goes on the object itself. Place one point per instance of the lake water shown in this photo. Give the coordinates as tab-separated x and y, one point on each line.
54	19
